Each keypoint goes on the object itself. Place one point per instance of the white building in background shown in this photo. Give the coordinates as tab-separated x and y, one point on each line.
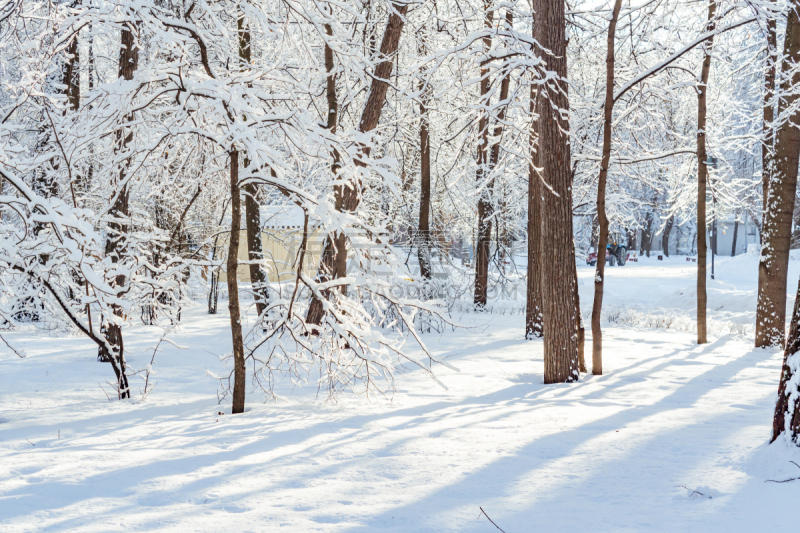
281	235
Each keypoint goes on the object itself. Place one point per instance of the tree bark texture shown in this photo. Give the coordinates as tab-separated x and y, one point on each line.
233	289
255	254
115	244
72	75
702	182
424	226
602	242
647	235
560	335
483	246
631	244
735	235
579	323
787	408
252	213
334	258
665	235
768	111
534	324
777	227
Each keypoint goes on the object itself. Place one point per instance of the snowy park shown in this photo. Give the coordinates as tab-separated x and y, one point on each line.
346	266
672	438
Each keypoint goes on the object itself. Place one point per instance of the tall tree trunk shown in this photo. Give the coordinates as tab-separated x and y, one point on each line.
777	228
233	288
72	76
485	202
647	235
258	278
735	236
702	179
494	154
534	324
631	242
334	258
424	227
787	408
86	181
560	339
115	244
252	214
665	236
579	321
767	163
602	242
482	247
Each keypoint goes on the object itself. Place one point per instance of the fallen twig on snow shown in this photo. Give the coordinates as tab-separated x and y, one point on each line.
490	520
785	480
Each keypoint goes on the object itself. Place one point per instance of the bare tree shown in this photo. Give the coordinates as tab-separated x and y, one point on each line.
665	235
115	245
233	288
483	172
702	180
252	214
534	326
768	141
599	278
787	409
424	227
777	228
334	255
560	335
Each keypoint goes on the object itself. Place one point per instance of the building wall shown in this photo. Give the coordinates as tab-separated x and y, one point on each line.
280	247
746	235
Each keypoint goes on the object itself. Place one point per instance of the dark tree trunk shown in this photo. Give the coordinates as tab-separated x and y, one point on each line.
787	408
647	235
767	146
86	181
602	218
233	289
560	339
252	215
334	256
777	228
579	322
115	245
702	179
631	245
665	236
258	278
482	247
494	155
72	76
213	292
735	236
424	229
534	324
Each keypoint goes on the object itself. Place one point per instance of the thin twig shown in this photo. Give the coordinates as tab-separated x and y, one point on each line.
104	392
785	480
19	354
490	520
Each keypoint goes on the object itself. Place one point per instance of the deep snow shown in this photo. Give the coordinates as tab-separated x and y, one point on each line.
672	438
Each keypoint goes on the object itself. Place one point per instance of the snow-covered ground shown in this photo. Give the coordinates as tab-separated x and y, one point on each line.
671	439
